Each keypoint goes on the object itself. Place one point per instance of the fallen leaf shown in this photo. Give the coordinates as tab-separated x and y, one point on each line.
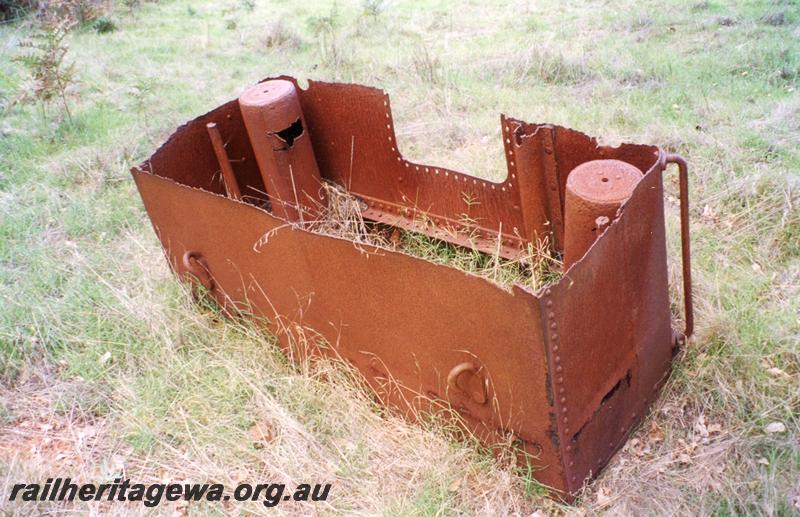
778	373
700	426
775	427
261	433
655	434
455	485
603	499
87	432
181	510
709	215
395	238
118	462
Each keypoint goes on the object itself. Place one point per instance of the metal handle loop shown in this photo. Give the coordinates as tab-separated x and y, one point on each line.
478	396
197	266
686	255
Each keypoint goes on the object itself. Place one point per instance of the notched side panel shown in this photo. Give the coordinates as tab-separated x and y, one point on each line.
355	146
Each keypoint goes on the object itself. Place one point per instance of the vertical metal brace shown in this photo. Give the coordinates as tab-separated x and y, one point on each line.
539	185
228	177
555	209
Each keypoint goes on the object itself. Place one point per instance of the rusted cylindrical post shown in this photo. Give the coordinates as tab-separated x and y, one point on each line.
595	191
274	120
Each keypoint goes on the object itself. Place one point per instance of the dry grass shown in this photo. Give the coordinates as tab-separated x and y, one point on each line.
342	217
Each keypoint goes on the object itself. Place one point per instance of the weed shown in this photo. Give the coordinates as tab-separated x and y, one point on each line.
373	8
44	58
75	12
775	19
132	5
279	35
428	67
103	25
540	63
326	30
13	9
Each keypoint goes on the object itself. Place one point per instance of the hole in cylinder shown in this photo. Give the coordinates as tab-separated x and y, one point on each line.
291	133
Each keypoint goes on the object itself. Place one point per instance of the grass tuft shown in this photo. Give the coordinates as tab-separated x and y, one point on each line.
536	267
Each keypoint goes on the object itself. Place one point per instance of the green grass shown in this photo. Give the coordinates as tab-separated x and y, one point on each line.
96	336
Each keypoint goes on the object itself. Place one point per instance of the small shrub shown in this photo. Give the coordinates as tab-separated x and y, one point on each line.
326	29
12	9
543	64
132	5
44	58
775	19
427	67
103	25
278	35
142	94
373	8
324	25
81	12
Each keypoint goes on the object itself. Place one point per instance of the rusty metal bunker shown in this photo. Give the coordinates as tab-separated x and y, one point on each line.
564	372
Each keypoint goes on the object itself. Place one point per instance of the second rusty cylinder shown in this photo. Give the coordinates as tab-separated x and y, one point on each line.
595	191
278	133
